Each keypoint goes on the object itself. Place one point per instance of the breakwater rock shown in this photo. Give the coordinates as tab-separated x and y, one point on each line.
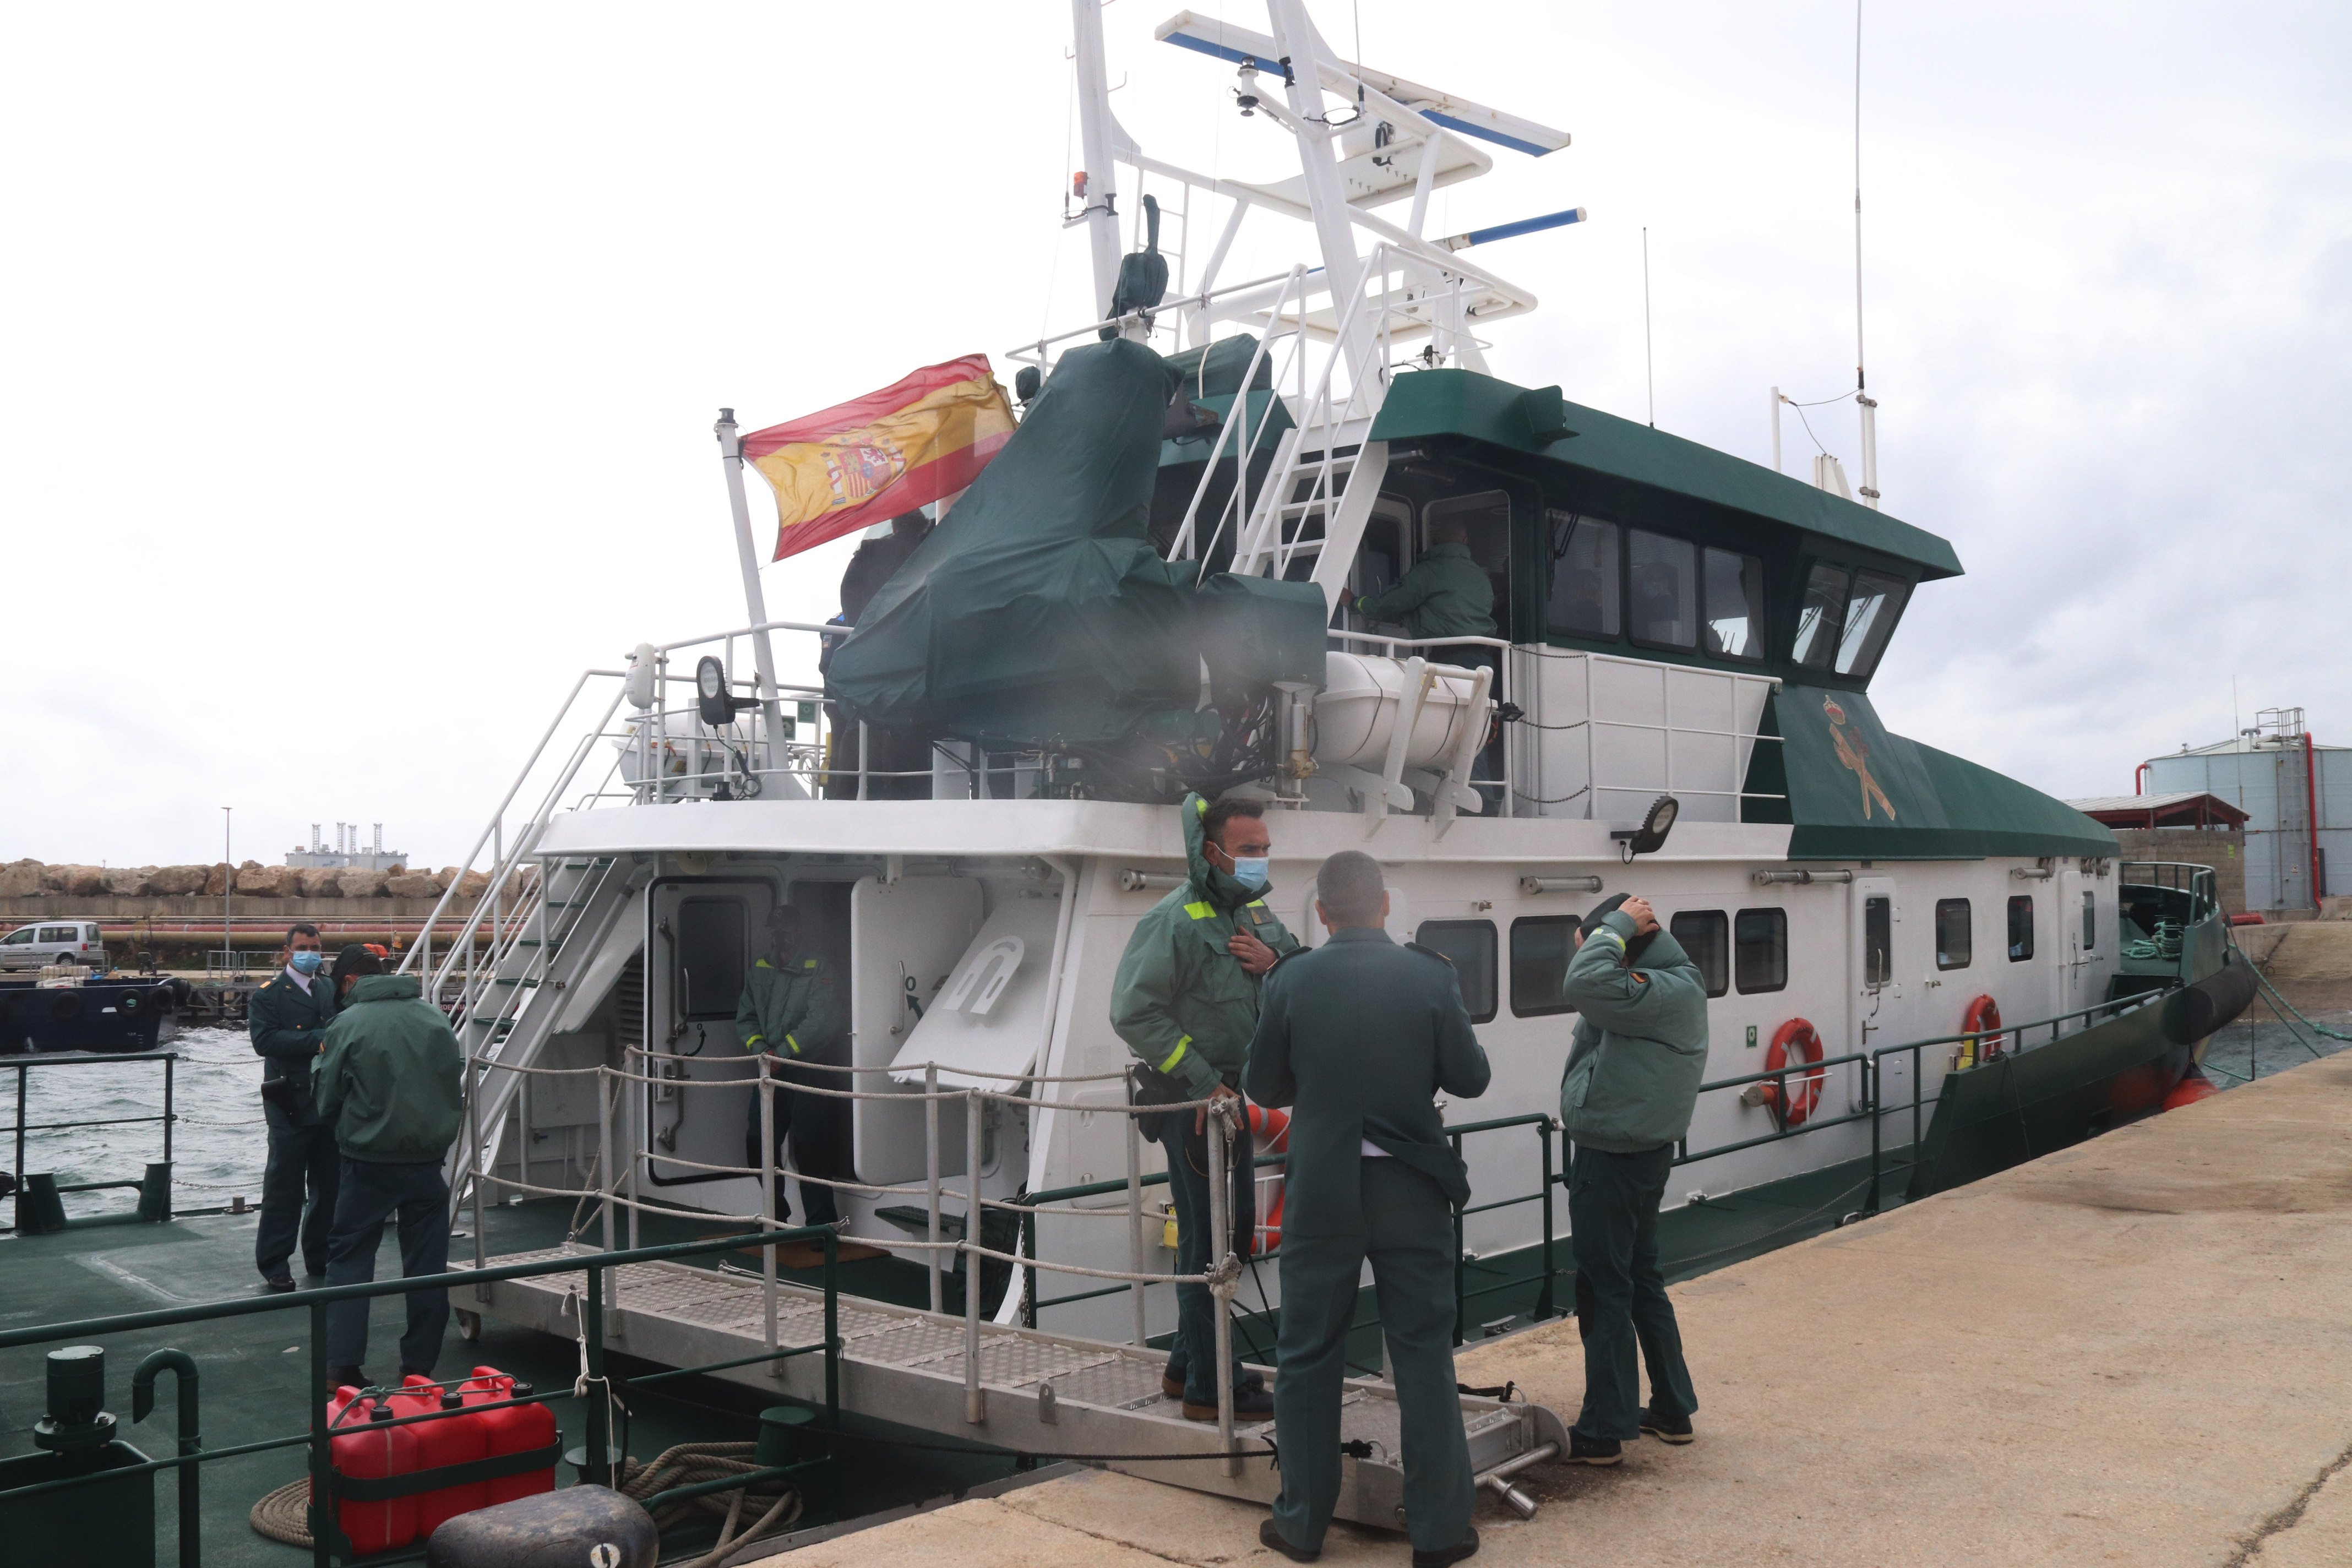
33	879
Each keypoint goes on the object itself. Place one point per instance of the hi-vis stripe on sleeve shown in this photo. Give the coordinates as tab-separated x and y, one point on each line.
1177	1055
794	1043
754	1043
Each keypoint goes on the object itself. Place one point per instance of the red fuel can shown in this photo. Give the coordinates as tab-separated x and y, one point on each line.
365	1447
510	1428
455	1438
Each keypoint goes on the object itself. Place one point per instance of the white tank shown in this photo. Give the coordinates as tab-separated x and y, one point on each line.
1355	715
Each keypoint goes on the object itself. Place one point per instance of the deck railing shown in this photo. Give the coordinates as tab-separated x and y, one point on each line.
593	1388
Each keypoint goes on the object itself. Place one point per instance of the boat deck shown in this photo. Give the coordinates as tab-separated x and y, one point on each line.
2131	1351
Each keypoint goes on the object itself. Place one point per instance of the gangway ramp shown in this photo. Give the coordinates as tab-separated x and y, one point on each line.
1039	1393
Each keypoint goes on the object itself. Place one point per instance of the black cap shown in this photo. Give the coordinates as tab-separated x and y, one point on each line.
355	959
1607	906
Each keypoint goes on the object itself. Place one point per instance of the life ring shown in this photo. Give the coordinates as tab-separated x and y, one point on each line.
1982	1024
1270	1129
1793	1099
127	1003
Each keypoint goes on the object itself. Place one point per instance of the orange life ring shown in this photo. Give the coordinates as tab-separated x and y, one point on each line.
1982	1023
1793	1099
1271	1128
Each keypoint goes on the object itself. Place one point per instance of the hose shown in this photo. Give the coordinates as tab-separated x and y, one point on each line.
284	1515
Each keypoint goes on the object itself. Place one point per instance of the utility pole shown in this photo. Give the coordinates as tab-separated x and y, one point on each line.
228	882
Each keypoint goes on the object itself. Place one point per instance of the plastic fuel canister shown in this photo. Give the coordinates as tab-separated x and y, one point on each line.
454	1437
510	1428
367	1448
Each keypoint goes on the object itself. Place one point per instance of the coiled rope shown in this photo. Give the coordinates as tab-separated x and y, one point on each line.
284	1515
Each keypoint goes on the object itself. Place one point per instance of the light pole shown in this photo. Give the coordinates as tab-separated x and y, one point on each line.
228	883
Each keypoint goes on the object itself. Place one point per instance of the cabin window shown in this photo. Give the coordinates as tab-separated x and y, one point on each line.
1870	617
1760	951
1541	946
1705	935
1486	519
1735	604
1584	576
1953	941
2090	923
1817	622
1663	573
712	938
1381	559
1471	945
2021	928
1877	941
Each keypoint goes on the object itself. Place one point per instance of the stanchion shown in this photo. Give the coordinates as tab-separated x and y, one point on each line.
975	1404
931	1182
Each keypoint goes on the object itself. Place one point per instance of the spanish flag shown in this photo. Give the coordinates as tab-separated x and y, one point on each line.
883	454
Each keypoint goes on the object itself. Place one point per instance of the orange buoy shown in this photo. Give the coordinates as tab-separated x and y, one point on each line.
1271	1128
2193	1087
1793	1099
1983	1021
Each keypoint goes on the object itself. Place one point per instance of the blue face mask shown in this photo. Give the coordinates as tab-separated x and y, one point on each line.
1251	872
308	962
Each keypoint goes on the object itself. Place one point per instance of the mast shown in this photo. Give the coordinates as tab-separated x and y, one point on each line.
1100	214
1300	46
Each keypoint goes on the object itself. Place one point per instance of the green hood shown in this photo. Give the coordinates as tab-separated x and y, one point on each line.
384	988
1204	881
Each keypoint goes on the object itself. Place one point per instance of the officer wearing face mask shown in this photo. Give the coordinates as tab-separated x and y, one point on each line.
287	1019
1185	1000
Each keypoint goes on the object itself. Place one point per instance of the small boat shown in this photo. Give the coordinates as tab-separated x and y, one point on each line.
70	1008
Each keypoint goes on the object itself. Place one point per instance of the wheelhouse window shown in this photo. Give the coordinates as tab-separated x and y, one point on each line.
2021	928
1953	940
1735	604
1705	935
1471	945
1663	575
1584	576
1870	617
1760	950
1819	620
1541	946
1485	520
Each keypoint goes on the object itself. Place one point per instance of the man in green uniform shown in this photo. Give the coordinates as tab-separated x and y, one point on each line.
1446	593
792	1010
391	1082
287	1019
1625	1099
1185	1001
1359	1037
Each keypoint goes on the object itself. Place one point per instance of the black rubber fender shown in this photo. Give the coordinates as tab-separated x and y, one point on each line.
65	1005
2195	1011
568	1529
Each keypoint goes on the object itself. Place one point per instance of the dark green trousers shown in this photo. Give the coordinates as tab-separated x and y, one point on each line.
1620	1293
1412	1253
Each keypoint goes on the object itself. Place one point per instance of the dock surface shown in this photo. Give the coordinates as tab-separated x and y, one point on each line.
2135	1350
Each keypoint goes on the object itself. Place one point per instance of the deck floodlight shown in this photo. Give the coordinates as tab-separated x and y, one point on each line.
1651	837
717	705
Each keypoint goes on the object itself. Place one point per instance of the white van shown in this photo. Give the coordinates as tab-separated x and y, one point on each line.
53	942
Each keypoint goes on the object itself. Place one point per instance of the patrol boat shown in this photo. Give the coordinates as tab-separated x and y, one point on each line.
1921	970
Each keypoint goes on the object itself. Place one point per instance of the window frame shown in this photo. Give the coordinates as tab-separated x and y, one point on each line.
1878	904
1614	576
1880	633
2090	921
1721	984
1695	608
1832	624
1754	607
1968	933
1493	959
1567	922
2017	900
1779	918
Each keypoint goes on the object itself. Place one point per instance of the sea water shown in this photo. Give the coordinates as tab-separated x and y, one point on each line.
219	1142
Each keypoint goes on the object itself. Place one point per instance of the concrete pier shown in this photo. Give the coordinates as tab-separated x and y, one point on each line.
2135	1350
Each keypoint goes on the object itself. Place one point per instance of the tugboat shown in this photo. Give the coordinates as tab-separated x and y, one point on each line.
80	1008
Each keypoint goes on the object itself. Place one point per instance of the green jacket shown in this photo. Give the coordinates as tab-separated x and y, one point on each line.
1634	1073
1446	594
793	1012
1179	1000
1359	1036
393	1078
286	1024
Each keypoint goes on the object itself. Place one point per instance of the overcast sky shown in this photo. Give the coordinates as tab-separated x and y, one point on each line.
359	362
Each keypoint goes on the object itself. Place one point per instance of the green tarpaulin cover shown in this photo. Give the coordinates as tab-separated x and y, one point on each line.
1038	613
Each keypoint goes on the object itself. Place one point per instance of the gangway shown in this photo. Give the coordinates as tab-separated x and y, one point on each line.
1038	1393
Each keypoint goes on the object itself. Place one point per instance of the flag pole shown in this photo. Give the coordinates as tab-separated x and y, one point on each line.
763	657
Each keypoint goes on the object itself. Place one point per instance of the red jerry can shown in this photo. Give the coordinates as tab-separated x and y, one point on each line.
367	1448
510	1428
456	1438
